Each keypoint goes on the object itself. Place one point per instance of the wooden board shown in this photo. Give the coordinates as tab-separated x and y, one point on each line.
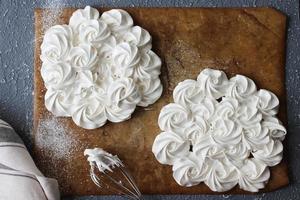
245	41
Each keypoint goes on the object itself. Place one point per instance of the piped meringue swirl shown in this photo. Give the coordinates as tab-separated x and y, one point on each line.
220	131
99	68
57	43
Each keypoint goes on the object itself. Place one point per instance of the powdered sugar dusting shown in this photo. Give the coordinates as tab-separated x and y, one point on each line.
51	14
55	139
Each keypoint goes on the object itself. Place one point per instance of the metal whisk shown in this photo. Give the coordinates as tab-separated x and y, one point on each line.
108	172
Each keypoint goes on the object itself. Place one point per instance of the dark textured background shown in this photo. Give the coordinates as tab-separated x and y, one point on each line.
16	73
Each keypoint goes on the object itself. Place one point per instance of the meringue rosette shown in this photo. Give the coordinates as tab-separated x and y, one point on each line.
99	68
223	132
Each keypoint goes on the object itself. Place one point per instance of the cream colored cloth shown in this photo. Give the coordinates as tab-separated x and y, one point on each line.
19	177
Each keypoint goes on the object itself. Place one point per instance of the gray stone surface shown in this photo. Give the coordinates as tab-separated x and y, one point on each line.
16	74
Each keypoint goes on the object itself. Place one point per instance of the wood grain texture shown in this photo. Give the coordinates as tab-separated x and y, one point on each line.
239	41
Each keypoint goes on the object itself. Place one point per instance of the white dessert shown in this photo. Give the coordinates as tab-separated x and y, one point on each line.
99	68
221	132
102	159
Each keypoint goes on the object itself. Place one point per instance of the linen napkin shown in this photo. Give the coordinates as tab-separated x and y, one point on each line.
19	177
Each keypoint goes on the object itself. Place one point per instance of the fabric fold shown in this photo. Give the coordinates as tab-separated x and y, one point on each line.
19	176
